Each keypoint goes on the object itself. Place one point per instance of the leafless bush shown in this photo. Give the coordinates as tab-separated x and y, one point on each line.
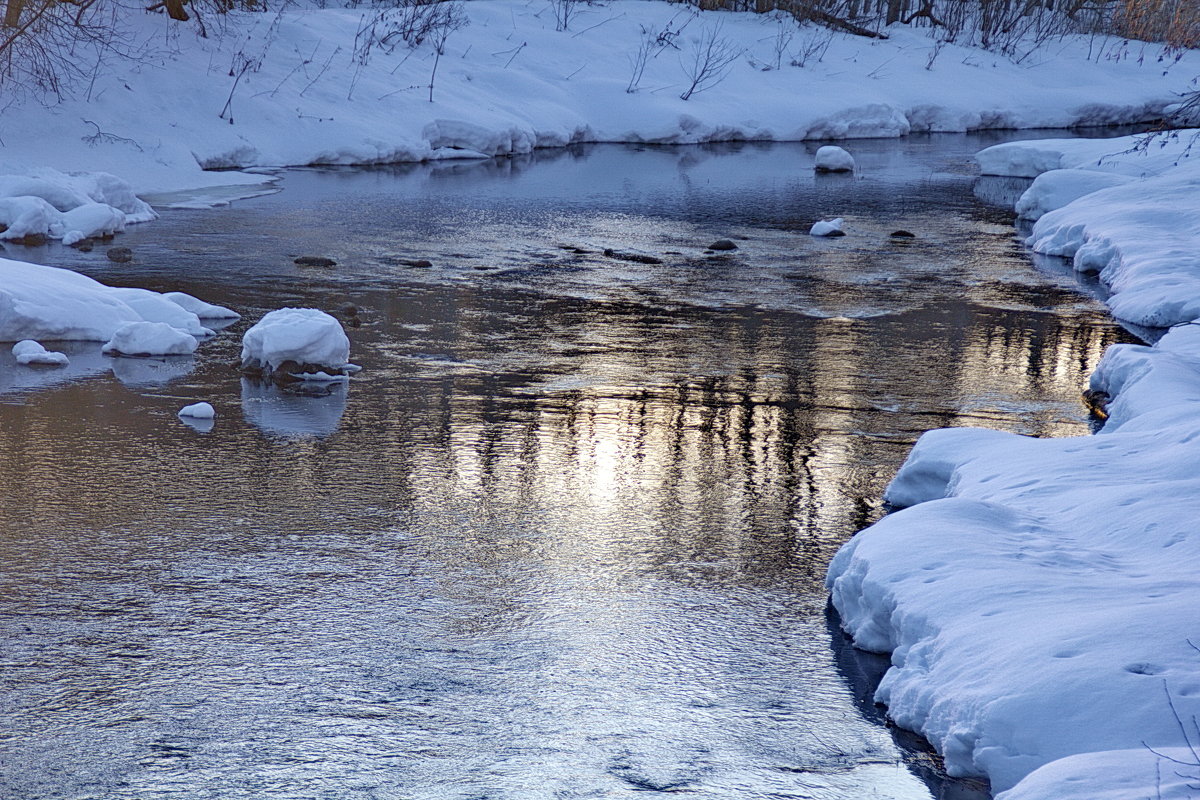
785	31
637	62
814	43
711	57
564	10
49	48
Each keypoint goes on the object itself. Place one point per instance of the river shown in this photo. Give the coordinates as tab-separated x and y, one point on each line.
565	534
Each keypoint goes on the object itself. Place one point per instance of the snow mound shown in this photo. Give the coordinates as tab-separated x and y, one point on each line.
294	340
150	339
831	158
29	352
68	207
198	411
200	308
38	302
831	227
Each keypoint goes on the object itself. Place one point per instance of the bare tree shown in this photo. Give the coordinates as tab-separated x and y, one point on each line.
709	62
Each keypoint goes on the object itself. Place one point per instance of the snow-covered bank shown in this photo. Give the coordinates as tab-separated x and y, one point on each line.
298	87
1130	214
1038	595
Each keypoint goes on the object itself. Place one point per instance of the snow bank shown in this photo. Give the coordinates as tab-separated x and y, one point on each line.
1038	596
150	339
68	207
1123	208
47	303
509	82
1059	187
296	340
1121	775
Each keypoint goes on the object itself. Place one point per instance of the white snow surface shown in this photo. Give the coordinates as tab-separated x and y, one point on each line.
150	339
29	352
198	411
831	158
1038	596
48	303
302	335
509	82
200	308
1114	775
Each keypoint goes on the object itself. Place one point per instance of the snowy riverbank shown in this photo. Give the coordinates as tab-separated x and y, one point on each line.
1038	595
299	87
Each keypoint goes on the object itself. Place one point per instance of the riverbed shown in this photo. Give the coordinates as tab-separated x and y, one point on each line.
565	535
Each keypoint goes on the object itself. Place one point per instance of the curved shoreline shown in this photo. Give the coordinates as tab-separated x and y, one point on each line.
1036	594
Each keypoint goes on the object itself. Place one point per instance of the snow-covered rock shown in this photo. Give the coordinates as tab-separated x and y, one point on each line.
154	307
832	158
150	339
831	227
198	411
29	352
295	340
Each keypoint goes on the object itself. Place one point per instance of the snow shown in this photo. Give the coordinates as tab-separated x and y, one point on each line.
29	352
831	158
200	308
509	82
823	227
1119	775
68	207
198	411
1127	209
48	303
1038	596
150	339
305	336
1058	187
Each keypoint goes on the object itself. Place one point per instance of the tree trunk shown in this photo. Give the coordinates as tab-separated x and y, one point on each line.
175	10
12	13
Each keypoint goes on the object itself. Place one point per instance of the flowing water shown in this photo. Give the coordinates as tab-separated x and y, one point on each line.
565	535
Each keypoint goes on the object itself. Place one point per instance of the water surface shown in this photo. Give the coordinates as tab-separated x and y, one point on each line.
565	535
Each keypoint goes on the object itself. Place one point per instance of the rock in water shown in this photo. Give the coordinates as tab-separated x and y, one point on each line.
314	261
290	341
